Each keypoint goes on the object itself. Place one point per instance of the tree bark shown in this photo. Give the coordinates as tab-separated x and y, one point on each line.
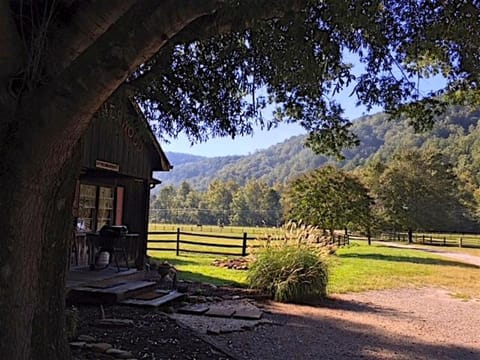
11	46
36	173
53	266
36	223
91	20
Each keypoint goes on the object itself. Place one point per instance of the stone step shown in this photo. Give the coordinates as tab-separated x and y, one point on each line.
196	309
109	295
155	302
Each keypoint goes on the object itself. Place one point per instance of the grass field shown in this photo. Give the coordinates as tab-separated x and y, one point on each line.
361	267
355	268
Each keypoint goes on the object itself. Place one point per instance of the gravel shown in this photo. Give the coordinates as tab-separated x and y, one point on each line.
424	323
395	324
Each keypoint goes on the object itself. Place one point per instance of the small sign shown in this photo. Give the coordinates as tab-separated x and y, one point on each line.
107	165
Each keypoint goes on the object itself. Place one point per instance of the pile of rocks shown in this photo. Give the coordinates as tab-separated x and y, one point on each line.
236	264
90	344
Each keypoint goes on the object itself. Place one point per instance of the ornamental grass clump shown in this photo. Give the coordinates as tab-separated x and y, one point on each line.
295	273
292	270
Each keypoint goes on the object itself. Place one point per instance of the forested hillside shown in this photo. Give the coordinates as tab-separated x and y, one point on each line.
456	131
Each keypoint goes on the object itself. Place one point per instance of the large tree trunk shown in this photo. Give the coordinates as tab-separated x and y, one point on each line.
56	246
37	172
36	219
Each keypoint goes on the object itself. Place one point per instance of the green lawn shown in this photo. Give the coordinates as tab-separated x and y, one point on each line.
358	267
199	268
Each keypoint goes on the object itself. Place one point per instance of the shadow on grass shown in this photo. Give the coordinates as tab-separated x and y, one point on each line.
173	261
198	277
409	259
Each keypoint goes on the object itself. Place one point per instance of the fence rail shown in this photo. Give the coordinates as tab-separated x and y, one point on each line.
191	242
436	239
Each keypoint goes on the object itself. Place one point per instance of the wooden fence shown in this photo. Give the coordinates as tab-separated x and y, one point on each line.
438	239
193	243
227	242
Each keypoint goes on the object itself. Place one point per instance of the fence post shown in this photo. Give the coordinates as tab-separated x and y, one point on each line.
244	244
460	242
178	241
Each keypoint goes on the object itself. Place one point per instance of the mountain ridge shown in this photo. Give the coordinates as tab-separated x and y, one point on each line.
281	162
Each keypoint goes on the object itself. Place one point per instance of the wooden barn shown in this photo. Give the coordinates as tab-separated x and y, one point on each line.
119	155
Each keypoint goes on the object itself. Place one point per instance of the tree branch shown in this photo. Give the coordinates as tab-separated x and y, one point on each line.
66	107
11	49
90	20
222	22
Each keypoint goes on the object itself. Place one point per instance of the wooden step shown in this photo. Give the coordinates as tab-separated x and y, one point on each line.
155	302
110	294
82	276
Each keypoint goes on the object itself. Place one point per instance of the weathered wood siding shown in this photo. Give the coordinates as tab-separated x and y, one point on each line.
119	141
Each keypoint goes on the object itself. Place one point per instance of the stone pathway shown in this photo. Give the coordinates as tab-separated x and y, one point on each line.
221	317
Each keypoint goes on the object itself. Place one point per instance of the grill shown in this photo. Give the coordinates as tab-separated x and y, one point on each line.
113	231
112	239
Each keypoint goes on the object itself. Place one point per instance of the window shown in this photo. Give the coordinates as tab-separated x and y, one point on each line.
87	207
105	207
95	207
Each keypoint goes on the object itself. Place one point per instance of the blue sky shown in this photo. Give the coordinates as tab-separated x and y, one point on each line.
263	139
249	144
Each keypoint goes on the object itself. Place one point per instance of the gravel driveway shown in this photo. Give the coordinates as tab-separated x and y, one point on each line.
392	324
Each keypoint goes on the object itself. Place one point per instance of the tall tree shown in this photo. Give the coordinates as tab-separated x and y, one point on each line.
219	198
418	190
62	59
329	198
163	204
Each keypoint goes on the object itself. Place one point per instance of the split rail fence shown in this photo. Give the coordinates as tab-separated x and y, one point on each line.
212	244
439	239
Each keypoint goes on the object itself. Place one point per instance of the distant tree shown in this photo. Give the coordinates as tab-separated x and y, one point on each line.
329	198
163	204
240	210
273	207
418	190
256	204
219	198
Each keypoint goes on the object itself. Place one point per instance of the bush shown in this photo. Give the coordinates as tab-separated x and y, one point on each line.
295	273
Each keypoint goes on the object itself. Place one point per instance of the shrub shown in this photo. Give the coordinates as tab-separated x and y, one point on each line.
290	272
